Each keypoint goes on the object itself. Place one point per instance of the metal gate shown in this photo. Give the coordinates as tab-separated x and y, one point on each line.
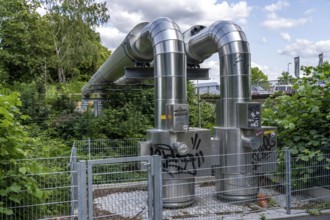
119	188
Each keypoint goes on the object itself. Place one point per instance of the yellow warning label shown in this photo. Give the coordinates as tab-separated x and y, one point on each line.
269	132
163	117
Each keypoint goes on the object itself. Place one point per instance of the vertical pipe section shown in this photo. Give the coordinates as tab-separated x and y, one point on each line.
229	41
170	65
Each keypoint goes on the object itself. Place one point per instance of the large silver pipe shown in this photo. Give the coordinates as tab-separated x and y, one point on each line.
113	68
161	41
230	42
170	66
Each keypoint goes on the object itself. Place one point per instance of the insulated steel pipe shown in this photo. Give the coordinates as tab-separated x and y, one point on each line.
113	68
161	41
230	42
234	181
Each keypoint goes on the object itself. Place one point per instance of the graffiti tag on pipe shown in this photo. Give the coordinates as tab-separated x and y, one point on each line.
174	163
264	152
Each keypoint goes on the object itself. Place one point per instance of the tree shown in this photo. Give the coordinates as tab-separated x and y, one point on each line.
74	40
259	78
285	79
24	44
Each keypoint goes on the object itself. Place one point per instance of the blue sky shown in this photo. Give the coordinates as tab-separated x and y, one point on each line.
277	30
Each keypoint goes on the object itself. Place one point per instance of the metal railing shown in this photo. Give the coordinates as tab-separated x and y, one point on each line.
124	188
105	148
41	189
296	186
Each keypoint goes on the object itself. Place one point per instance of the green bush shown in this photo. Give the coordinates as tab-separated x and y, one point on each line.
16	187
303	122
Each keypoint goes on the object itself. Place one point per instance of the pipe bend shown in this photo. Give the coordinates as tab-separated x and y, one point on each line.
162	41
157	35
201	44
229	41
142	44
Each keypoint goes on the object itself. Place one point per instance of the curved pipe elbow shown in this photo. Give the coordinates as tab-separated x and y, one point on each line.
224	37
160	40
160	36
229	41
143	43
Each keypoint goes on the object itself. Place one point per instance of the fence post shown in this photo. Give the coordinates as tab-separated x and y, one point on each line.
150	186
89	148
90	190
288	180
82	197
156	172
74	187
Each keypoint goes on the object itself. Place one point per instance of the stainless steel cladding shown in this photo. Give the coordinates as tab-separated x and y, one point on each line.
237	131
113	68
161	41
185	155
229	41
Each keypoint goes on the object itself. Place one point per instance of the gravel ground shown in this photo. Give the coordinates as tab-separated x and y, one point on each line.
131	203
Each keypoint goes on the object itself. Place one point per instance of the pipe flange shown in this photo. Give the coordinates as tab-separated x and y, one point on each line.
181	148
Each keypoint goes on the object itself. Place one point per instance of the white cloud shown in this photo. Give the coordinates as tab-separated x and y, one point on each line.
111	37
260	67
264	40
286	36
275	22
125	14
272	73
310	11
277	6
306	48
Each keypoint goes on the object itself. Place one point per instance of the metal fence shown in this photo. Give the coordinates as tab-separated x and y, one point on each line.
105	148
121	188
124	188
310	179
288	190
40	189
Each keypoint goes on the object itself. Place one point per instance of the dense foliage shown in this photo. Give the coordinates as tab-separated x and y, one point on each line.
25	43
15	186
35	52
303	119
127	114
59	46
75	43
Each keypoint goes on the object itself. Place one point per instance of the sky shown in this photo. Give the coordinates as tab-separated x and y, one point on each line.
277	30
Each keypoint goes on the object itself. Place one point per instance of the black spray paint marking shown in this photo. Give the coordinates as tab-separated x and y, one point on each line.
175	163
263	152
